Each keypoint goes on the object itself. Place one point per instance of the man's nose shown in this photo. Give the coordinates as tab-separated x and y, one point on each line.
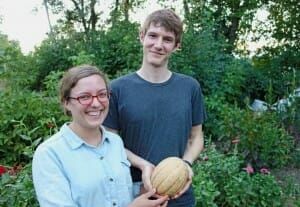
159	43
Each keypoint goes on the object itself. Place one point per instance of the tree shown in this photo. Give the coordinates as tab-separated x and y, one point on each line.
78	12
232	18
121	10
285	21
279	61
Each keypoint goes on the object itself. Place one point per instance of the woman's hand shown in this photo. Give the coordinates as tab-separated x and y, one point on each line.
147	200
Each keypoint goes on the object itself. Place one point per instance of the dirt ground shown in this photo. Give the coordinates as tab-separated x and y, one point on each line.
289	179
287	173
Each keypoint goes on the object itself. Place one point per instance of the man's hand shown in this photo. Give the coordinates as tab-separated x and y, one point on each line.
188	183
147	170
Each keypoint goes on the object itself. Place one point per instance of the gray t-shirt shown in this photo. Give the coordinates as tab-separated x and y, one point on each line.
155	119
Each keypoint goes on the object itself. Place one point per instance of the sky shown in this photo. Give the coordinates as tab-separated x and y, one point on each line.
26	21
21	22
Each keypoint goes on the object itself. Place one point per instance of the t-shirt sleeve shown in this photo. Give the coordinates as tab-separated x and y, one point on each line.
111	120
199	111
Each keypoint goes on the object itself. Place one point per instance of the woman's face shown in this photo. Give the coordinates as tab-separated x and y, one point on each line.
85	113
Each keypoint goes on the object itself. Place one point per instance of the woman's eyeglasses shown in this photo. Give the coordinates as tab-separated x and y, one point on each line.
87	99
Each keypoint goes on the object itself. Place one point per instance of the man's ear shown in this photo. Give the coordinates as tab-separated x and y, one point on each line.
177	47
141	36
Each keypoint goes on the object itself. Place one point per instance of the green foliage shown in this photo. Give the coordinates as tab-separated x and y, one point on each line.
82	58
232	19
16	188
53	56
52	83
292	189
119	49
284	18
228	82
114	51
280	66
26	118
201	56
263	142
221	181
14	66
256	190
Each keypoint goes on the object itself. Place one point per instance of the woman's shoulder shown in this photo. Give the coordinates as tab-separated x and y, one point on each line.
50	142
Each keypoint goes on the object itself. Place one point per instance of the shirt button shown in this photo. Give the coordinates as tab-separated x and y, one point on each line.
111	179
114	203
101	158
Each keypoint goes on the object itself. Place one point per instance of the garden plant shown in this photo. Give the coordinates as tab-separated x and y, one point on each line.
251	159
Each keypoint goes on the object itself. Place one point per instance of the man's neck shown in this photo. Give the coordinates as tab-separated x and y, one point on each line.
154	74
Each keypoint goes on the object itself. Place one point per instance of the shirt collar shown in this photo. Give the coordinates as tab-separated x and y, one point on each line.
75	141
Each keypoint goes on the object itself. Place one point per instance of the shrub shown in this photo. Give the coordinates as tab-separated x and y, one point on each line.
16	188
220	180
26	118
262	141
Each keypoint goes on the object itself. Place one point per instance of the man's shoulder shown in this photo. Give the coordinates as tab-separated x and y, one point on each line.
125	77
125	80
185	78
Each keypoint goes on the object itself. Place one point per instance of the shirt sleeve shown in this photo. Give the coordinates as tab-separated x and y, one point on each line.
50	183
112	117
199	111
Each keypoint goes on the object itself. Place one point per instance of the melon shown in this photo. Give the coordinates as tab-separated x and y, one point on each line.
169	176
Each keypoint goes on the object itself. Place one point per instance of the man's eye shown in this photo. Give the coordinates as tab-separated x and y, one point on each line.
168	40
152	35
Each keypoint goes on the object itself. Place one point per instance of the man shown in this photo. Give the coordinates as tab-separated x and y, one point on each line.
158	113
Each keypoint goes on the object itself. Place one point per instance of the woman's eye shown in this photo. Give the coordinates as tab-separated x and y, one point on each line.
102	95
86	97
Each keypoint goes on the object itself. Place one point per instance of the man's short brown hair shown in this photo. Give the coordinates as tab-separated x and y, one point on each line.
166	18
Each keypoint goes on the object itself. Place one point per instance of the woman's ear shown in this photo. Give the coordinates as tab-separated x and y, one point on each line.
66	105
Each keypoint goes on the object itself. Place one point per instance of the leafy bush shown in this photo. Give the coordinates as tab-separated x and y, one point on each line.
118	49
220	180
16	188
26	118
262	141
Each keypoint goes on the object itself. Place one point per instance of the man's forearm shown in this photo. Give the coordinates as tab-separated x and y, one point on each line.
195	144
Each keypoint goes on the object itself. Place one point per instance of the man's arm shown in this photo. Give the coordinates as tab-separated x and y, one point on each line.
195	144
194	147
145	166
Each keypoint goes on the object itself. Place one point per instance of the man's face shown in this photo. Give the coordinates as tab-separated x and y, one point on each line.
158	45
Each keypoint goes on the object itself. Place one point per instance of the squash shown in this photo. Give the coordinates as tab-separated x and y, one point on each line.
169	176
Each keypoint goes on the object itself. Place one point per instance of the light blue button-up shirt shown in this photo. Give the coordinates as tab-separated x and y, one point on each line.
68	172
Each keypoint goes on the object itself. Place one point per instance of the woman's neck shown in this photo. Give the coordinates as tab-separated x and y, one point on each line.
90	136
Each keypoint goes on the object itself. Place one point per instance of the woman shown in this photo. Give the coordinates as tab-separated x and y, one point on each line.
83	164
